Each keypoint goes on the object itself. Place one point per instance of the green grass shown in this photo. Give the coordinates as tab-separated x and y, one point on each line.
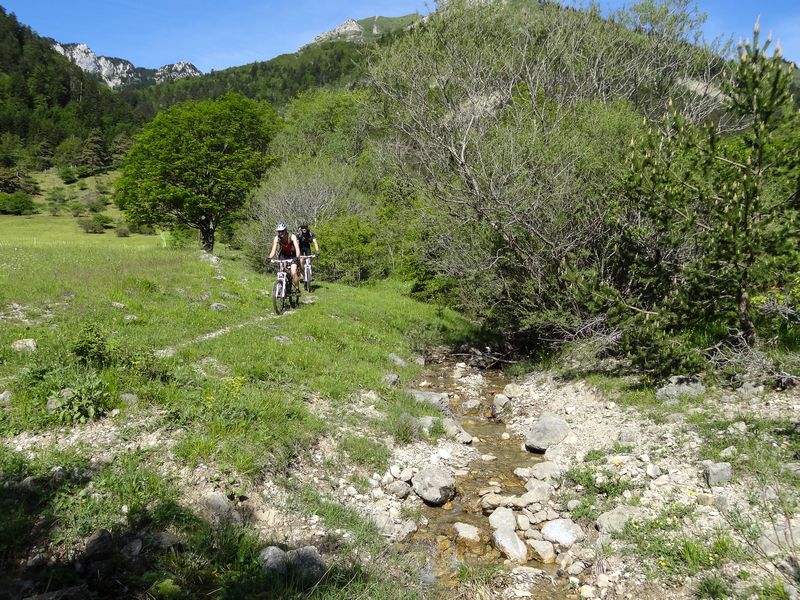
250	414
365	452
674	556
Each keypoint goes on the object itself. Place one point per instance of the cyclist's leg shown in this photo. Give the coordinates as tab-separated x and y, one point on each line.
295	279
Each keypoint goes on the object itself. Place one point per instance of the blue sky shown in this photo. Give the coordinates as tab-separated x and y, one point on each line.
216	34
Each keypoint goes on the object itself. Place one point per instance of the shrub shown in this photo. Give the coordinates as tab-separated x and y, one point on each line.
18	203
89	400
67	175
123	231
91	226
92	347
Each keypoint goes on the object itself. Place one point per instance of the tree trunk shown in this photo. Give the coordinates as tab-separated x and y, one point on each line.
207	236
745	320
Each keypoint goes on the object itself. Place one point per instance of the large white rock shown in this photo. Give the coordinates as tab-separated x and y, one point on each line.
509	544
467	533
547	431
434	485
26	345
563	531
543	550
503	517
538	491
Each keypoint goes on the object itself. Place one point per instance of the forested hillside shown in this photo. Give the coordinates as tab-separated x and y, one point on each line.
276	81
44	99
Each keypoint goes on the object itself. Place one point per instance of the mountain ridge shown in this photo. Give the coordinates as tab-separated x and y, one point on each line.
118	73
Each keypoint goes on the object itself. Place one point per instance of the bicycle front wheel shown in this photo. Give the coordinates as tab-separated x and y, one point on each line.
308	278
278	298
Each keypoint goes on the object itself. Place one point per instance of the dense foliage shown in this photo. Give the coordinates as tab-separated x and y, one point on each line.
275	81
45	99
193	165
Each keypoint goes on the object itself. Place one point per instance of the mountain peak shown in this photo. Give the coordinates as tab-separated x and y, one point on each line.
118	72
365	30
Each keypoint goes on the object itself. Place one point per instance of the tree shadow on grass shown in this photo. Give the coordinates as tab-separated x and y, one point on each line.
161	551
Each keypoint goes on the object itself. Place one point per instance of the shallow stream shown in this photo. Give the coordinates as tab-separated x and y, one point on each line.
494	467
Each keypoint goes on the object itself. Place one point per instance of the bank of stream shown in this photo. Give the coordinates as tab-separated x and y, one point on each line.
497	454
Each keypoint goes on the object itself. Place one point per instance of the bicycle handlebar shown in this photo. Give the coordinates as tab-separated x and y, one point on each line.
308	256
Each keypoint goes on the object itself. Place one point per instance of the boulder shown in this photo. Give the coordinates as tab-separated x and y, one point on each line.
434	485
546	470
25	345
509	544
436	399
466	533
503	517
307	563
563	531
98	544
454	430
538	491
547	431
718	473
399	489
5	397
501	406
273	560
615	520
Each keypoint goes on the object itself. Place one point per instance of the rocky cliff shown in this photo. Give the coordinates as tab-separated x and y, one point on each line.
118	72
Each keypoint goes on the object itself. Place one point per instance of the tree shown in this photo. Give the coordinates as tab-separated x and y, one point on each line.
726	209
94	155
195	163
511	120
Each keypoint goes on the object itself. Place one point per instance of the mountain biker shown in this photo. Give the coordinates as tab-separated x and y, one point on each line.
305	237
287	247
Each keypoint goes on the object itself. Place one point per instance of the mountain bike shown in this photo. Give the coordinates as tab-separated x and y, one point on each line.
307	273
283	289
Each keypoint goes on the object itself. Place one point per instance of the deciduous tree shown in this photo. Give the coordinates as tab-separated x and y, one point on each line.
195	164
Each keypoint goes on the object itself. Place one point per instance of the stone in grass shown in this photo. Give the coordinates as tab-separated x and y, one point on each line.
434	485
98	544
26	345
218	306
563	531
391	380
307	563
718	473
438	400
397	360
507	541
615	520
547	431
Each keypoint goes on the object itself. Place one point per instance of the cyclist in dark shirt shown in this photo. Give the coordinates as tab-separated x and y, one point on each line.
287	247
305	238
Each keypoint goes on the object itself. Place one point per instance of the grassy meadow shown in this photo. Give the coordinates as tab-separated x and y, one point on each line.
121	324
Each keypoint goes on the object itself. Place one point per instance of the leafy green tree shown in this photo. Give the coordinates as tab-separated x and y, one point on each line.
726	209
195	163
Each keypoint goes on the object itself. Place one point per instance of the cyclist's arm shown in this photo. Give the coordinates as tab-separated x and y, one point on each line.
316	245
274	246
